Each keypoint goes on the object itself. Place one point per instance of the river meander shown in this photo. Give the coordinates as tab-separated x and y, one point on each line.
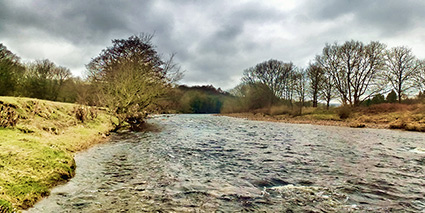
205	163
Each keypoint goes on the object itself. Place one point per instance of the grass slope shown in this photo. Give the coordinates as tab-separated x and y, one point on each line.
37	153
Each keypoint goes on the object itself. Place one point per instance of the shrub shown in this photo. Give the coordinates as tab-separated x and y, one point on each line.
93	113
8	116
84	113
357	125
387	107
279	110
398	124
80	113
344	112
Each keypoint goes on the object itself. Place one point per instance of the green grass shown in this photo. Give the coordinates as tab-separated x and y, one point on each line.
37	153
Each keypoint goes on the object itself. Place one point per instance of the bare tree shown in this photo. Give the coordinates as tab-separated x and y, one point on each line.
273	73
172	70
300	87
401	68
315	75
327	91
420	75
355	69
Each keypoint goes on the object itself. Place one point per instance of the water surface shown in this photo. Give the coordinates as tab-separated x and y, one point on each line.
205	163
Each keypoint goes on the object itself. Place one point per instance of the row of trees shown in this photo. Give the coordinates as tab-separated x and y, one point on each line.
195	99
126	78
360	71
352	72
39	79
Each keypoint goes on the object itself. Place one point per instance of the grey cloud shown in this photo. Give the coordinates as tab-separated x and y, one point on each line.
385	16
214	40
77	21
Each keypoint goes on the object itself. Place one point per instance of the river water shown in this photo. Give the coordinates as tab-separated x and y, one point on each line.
205	163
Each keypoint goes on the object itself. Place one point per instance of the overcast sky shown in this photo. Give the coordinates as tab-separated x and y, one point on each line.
214	40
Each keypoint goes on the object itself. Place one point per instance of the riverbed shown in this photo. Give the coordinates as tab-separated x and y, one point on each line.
206	163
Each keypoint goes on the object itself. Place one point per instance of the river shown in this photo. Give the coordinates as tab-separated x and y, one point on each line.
206	163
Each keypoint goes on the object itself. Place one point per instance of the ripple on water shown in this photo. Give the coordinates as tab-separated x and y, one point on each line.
203	163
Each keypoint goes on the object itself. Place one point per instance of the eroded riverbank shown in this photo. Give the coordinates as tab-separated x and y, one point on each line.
209	163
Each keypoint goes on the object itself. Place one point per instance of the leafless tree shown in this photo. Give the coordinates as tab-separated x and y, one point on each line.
420	77
300	87
401	68
354	68
315	75
273	73
327	91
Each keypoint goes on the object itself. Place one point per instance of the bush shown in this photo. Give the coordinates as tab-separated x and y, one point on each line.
398	124
80	113
387	107
8	116
279	110
84	113
344	112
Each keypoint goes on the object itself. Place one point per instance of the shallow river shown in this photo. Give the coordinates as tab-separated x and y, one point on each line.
205	163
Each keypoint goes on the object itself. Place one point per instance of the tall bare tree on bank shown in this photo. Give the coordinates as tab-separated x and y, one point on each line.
355	69
327	91
315	75
420	77
401	69
272	73
129	76
300	87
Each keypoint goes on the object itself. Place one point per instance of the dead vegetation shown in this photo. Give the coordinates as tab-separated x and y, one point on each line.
410	117
8	115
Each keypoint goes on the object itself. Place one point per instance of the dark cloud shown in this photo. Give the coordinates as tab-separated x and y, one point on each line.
386	16
214	40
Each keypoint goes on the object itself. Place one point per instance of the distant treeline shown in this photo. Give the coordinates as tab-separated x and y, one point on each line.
195	99
353	73
40	79
131	77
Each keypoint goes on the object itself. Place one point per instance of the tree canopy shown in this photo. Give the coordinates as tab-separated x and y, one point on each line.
128	77
272	73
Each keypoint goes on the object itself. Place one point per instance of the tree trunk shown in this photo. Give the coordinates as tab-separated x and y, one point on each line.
327	104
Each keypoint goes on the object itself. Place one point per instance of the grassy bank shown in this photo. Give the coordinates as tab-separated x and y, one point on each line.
37	143
389	116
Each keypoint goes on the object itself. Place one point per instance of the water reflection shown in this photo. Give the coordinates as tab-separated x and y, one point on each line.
207	163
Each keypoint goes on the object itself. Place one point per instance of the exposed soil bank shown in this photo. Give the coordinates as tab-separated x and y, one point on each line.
37	142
